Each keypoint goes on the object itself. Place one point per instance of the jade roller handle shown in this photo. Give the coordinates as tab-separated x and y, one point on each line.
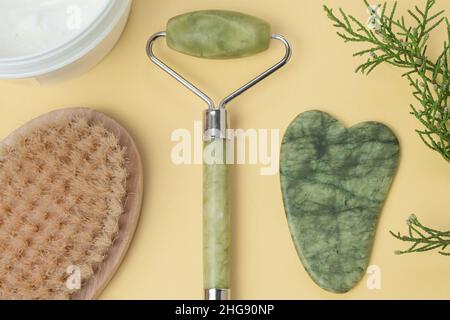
216	211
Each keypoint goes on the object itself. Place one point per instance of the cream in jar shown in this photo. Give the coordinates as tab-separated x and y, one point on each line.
29	27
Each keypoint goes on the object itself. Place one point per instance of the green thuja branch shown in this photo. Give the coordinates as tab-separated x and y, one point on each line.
393	41
424	239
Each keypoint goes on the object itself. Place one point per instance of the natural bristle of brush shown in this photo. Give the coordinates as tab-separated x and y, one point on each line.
62	192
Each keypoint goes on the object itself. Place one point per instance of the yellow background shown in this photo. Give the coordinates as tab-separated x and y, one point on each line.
164	261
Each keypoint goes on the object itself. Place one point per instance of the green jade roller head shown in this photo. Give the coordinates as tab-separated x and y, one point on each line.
217	34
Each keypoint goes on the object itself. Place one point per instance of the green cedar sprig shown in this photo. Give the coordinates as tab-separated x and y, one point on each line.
423	239
405	46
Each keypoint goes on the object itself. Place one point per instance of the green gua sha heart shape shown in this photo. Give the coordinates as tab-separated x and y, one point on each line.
334	182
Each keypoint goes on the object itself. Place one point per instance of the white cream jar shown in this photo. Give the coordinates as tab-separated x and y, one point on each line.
51	40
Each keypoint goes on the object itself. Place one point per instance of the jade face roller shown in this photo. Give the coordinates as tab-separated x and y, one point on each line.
217	34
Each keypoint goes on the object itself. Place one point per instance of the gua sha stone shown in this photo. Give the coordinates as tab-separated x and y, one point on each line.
334	183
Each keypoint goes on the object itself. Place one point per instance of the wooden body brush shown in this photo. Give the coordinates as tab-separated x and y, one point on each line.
217	34
70	197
